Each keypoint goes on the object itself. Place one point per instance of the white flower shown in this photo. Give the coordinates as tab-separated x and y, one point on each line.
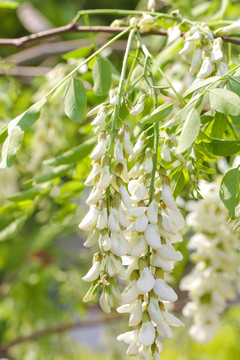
136	211
137	109
128	337
118	150
135	171
131	293
113	98
105	242
222	68
146	23
168	198
100	118
161	263
95	170
103	302
193	35
137	190
166	153
148	165
99	150
164	330
105	178
176	218
147	333
94	196
136	314
206	68
217	54
124	174
138	147
90	219
120	246
102	219
113	220
152	212
203	333
123	220
139	248
141	223
92	238
125	197
164	291
156	356
172	320
93	272
167	223
126	141
174	33
168	252
152	236
154	311
151	5
196	61
230	29
146	281
188	47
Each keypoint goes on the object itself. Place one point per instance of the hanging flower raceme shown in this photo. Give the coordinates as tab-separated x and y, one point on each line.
154	226
211	282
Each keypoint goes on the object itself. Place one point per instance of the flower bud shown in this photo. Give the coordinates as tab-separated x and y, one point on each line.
113	98
100	148
230	29
217	54
188	47
103	302
151	5
137	109
100	118
196	61
90	219
146	281
131	293
222	68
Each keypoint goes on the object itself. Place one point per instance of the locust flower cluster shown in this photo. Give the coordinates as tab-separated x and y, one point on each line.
135	224
213	280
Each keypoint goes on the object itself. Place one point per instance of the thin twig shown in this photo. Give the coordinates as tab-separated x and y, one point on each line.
59	329
74	28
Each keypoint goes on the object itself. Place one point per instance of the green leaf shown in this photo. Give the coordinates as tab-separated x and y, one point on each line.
3	133
182	114
219	125
8	4
74	155
177	183
158	114
13	228
190	131
234	84
11	146
25	195
82	52
229	190
200	85
225	101
75	100
54	173
102	76
222	147
16	207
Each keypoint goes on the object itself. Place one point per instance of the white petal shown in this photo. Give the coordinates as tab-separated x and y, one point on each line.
162	263
92	238
122	217
127	143
188	48
164	330
168	252
172	320
95	170
166	153
173	34
206	68
118	151
136	212
93	272
102	219
105	178
146	281
139	247
154	311
136	314
128	337
141	223
147	334
167	223
152	236
152	212
196	62
131	293
99	150
94	196
99	119
90	219
164	291
113	220
105	242
125	197
103	302
168	198
137	109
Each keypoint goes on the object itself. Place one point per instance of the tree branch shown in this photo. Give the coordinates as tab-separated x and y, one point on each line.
74	28
59	329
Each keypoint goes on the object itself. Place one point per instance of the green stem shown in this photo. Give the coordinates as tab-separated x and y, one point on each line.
87	22
116	112
121	12
135	60
87	60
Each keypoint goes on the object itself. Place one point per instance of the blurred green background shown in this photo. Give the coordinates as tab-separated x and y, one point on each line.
42	264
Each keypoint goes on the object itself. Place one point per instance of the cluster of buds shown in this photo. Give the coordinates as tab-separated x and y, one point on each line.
201	50
213	280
